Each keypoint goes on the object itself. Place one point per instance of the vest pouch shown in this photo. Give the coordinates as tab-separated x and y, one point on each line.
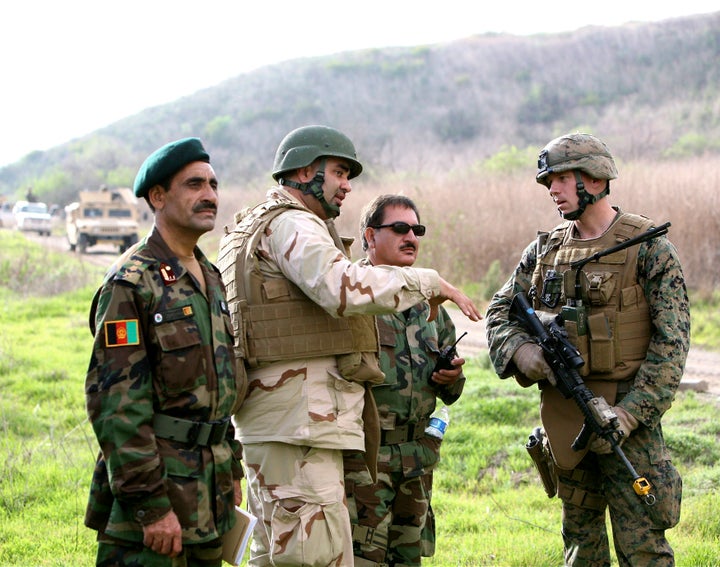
602	351
581	342
600	287
239	318
360	367
276	290
634	324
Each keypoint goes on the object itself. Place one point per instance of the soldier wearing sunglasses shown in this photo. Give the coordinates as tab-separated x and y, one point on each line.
399	227
393	522
304	320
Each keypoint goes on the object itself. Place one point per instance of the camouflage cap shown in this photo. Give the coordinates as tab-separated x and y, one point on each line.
576	151
166	161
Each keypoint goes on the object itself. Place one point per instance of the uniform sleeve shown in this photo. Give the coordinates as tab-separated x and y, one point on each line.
657	380
119	402
301	247
505	336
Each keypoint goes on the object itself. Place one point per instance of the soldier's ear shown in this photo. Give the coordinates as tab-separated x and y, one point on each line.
156	196
370	237
305	174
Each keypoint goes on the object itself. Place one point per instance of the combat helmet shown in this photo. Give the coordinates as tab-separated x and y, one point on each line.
304	145
583	152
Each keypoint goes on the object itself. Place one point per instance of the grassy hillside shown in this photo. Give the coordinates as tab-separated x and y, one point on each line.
650	90
489	505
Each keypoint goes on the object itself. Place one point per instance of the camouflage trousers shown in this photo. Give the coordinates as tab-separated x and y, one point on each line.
298	496
393	521
118	553
602	482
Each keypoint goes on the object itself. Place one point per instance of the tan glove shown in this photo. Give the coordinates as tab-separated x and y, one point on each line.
530	361
626	425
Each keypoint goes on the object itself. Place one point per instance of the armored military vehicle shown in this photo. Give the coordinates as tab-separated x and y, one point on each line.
107	216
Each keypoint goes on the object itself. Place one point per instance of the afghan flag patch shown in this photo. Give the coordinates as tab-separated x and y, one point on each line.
121	333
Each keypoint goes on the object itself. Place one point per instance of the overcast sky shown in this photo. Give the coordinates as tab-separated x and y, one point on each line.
69	67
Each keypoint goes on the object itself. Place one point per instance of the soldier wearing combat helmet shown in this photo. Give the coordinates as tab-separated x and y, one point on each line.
303	315
577	153
631	324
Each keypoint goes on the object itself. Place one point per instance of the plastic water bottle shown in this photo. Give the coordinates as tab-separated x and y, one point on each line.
438	422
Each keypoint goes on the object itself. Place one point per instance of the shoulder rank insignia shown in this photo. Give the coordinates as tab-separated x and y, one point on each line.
121	333
167	274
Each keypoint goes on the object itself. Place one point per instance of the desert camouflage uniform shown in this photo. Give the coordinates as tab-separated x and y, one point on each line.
161	347
299	415
393	521
601	481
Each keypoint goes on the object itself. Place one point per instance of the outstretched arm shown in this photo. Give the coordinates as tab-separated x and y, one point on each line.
449	291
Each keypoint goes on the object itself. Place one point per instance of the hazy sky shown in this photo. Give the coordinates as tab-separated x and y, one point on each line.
69	67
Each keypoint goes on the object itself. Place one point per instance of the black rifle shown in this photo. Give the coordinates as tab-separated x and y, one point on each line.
564	359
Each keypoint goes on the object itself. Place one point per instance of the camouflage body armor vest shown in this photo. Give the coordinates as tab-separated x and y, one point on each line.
273	320
614	335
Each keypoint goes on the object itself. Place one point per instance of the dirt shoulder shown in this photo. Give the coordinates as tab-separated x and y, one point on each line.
702	370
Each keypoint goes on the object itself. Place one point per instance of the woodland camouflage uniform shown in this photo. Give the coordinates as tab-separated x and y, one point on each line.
162	350
589	482
301	413
393	521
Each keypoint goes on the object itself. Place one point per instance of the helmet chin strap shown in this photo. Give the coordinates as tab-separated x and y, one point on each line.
584	198
314	187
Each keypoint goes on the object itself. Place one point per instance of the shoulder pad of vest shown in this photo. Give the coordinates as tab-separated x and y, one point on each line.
558	233
629	225
241	214
263	213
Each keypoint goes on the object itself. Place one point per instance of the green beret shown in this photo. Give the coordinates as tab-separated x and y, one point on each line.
165	162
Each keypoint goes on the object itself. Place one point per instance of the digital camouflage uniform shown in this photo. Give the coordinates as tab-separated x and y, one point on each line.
393	521
300	414
652	307
162	350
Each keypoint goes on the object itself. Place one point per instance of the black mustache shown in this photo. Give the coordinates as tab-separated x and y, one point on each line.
408	246
205	206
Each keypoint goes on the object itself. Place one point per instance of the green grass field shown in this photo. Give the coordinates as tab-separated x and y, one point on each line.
489	504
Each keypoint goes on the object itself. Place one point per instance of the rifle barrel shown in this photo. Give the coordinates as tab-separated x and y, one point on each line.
647	235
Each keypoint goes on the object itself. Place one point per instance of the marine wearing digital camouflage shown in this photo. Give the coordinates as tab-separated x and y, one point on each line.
635	347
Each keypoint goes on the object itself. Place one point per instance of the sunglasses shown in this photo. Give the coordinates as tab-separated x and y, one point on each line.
404	228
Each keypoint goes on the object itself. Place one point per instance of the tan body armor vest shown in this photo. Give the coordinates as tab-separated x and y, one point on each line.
273	320
616	320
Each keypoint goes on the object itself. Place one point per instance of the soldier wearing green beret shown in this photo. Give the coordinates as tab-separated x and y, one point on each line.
392	518
627	314
163	381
